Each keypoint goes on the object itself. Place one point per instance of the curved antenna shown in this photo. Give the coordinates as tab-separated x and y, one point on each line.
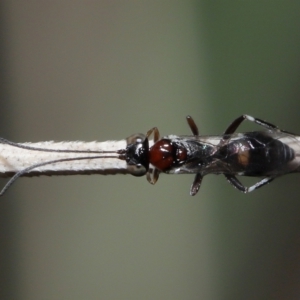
26	170
4	141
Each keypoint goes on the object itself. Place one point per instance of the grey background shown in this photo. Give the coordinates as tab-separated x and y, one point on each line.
98	70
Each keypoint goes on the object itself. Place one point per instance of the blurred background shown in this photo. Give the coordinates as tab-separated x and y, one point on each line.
99	70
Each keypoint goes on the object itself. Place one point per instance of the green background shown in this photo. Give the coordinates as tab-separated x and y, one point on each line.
99	70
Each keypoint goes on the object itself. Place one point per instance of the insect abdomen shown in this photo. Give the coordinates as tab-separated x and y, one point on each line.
257	154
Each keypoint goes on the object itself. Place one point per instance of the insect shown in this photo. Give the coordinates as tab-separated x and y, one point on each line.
266	154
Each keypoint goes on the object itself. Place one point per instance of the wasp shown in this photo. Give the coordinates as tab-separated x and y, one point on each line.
264	154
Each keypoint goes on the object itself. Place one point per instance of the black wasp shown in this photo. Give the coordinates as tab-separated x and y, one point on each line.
266	154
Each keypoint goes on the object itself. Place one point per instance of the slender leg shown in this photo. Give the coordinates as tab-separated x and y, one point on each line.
231	129
155	132
192	125
237	122
196	184
237	184
152	175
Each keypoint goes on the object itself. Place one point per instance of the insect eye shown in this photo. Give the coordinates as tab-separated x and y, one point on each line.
136	170
136	139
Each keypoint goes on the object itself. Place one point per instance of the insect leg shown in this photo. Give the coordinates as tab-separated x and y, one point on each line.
152	175
192	125
237	122
196	184
155	132
237	184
